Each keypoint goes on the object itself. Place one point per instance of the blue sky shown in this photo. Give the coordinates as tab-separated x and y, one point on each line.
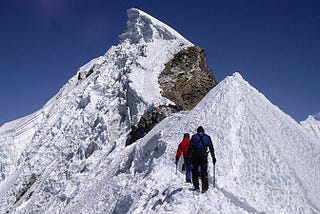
274	44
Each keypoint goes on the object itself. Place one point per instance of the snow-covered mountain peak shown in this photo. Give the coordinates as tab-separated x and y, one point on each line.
143	27
88	118
73	158
232	83
237	75
311	118
312	125
235	79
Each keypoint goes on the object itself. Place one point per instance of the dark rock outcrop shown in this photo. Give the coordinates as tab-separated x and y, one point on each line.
26	188
85	74
149	120
186	78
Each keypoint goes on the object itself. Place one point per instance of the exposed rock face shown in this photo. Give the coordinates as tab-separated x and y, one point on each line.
186	78
149	120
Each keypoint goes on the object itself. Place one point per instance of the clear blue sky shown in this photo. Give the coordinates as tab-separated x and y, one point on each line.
274	44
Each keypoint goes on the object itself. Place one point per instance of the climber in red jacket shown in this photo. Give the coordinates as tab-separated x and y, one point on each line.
183	149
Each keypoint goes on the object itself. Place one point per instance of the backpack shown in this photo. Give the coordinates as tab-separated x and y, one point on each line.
200	152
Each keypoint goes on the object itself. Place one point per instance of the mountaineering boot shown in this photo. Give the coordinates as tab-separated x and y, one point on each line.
204	190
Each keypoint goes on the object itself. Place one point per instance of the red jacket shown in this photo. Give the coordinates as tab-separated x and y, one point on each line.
183	148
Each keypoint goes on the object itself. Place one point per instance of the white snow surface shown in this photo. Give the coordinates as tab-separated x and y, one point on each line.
71	155
312	125
14	137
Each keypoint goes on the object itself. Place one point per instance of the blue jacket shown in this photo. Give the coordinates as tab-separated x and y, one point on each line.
201	142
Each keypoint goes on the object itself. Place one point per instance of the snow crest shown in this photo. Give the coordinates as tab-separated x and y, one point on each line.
142	26
312	125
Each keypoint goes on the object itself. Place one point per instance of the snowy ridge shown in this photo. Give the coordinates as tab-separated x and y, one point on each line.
312	125
255	172
142	26
260	133
155	44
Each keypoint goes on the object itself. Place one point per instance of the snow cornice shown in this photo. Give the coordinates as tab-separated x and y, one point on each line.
142	26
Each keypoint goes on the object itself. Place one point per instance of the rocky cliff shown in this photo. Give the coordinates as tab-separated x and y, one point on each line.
186	78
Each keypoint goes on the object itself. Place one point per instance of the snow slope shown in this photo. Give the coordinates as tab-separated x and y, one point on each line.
14	137
76	161
256	171
312	125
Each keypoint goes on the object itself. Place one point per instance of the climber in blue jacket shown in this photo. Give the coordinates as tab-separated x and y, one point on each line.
198	156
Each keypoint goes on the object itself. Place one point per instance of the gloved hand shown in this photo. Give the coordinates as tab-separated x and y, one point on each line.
176	162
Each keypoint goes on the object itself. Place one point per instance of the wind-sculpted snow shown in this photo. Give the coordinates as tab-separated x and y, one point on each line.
312	125
14	137
142	26
76	160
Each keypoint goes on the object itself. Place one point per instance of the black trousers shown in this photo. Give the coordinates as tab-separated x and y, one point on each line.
201	161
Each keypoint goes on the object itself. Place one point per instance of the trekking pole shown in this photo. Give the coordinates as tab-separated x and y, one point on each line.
214	178
176	168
